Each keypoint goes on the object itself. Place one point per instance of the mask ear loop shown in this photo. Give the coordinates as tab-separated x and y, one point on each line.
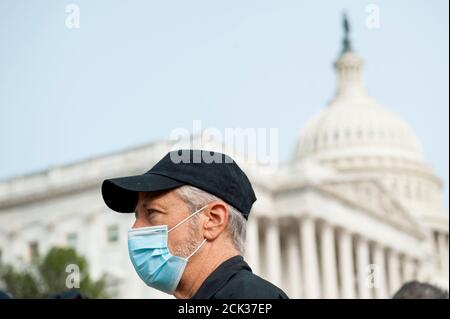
186	219
196	249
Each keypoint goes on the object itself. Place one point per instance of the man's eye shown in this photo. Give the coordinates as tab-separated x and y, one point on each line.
150	212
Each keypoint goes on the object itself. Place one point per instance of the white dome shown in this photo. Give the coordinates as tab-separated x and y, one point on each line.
354	134
353	125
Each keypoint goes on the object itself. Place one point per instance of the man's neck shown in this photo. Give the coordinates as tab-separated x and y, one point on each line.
199	268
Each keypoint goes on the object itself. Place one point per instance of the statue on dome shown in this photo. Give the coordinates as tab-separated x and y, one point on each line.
346	42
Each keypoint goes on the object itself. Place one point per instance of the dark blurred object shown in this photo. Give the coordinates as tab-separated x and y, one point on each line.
417	290
4	295
68	294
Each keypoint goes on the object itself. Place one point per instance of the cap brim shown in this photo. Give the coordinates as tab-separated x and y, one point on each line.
121	194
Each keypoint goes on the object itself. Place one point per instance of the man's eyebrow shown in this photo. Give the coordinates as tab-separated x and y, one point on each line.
146	202
155	207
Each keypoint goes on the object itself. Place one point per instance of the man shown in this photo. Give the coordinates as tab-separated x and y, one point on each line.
188	238
418	290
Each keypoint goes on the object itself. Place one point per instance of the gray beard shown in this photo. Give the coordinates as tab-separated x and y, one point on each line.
191	243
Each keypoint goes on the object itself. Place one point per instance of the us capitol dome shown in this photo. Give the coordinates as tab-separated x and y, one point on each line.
355	134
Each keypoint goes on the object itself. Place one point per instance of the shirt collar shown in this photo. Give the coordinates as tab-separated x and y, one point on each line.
220	276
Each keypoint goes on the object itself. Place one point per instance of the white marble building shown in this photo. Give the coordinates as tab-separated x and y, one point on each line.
354	214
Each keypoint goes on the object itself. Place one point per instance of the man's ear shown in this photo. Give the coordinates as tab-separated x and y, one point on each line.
217	214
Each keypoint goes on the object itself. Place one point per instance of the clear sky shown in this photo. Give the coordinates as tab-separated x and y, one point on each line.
135	70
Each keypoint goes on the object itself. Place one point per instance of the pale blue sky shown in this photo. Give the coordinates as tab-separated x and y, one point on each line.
137	69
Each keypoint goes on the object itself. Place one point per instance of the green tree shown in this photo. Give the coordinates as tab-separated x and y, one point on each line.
51	274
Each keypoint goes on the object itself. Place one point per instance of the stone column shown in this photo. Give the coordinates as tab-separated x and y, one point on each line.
273	253
379	272
346	264
362	267
446	247
309	258
393	272
14	254
329	282
443	252
294	267
51	238
252	244
92	248
409	269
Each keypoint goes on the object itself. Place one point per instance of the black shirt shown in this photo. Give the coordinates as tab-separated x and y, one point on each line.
234	279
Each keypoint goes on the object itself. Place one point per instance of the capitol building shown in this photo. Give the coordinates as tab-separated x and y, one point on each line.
356	212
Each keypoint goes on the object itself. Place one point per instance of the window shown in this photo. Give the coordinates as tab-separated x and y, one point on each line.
72	240
113	233
33	250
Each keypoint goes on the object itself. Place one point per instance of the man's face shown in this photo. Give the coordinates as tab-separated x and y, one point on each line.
167	208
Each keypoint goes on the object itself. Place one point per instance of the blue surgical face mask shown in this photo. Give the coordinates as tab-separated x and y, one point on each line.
151	258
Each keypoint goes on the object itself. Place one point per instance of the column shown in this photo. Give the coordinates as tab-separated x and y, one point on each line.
252	244
92	250
50	239
328	259
443	252
294	267
309	258
11	255
346	264
273	254
446	247
393	272
380	272
362	268
408	269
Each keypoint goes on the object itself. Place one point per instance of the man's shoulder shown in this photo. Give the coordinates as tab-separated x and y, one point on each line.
246	285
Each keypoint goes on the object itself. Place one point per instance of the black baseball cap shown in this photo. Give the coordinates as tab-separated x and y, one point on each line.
213	172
